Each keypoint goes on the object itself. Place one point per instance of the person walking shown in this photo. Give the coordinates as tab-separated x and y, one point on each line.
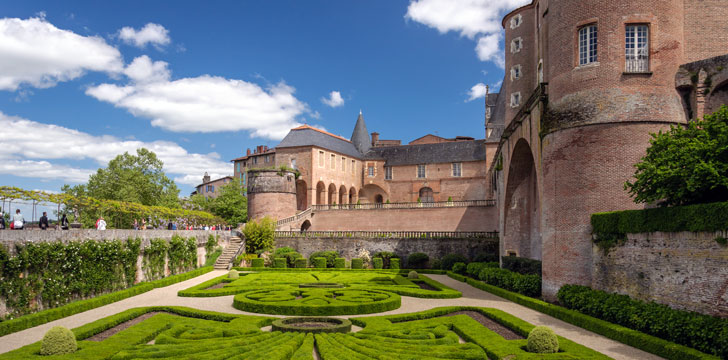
43	223
18	220
64	222
101	224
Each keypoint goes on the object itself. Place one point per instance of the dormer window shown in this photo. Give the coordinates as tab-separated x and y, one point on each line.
516	99
516	45
515	72
516	21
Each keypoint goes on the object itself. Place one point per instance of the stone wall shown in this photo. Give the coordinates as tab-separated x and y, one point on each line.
472	218
349	247
684	270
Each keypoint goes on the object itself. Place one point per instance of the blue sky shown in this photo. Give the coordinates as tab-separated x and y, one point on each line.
199	82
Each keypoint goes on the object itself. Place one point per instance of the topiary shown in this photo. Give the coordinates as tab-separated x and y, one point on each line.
257	263
417	260
357	263
319	262
233	275
288	253
340	263
378	263
542	340
450	259
394	263
330	257
386	257
280	263
301	263
413	275
58	340
459	268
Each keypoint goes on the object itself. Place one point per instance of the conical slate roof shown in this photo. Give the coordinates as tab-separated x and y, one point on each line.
360	137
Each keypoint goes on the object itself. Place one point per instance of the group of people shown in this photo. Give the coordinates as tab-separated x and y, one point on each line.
17	221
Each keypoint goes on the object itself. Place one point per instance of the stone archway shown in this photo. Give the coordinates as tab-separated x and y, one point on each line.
426	195
301	195
521	225
343	195
306	225
370	192
332	194
320	193
352	196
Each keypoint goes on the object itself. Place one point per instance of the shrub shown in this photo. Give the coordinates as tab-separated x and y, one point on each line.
542	340
289	254
301	263
485	257
233	274
702	332
280	263
529	285
330	257
413	275
394	263
459	268
523	266
378	263
473	269
450	259
417	260
340	263
319	262
437	264
357	263
259	235
386	257
257	263
58	340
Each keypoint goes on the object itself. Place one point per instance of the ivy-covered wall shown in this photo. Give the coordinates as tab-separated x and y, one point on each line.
37	275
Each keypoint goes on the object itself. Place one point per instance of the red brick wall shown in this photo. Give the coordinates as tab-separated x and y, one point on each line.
439	219
706	29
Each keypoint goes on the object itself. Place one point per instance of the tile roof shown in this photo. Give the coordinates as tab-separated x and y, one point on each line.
444	152
309	136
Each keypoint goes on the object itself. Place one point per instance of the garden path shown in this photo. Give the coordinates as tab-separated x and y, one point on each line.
471	297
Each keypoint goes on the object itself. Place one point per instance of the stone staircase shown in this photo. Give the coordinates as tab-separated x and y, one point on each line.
229	254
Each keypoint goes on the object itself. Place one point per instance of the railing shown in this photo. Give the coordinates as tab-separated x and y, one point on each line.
404	205
293	218
389	234
639	65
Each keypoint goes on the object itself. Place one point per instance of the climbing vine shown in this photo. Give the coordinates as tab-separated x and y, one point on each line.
182	254
154	256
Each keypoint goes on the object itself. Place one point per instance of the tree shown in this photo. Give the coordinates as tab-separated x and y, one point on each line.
259	235
687	165
230	204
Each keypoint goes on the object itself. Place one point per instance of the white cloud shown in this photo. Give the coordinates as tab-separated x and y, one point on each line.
470	18
31	149
151	33
208	104
37	53
143	70
476	92
334	99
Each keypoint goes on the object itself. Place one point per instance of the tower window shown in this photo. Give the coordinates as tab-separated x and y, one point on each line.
516	99
421	171
370	170
588	45
516	21
637	49
515	72
387	173
457	169
516	45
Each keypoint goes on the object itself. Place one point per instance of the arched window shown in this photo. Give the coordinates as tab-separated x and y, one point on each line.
426	195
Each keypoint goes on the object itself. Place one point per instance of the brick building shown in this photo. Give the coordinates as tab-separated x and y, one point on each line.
211	188
586	83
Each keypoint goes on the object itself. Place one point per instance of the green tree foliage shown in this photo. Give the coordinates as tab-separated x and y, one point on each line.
686	165
230	204
259	235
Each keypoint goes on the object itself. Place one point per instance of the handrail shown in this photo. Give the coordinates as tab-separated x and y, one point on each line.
390	234
293	218
403	205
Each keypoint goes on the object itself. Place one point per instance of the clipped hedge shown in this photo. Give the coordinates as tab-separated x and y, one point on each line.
473	269
280	263
339	263
257	263
45	316
330	257
378	263
301	263
346	302
642	341
449	260
705	333
417	260
394	263
357	264
523	266
289	325
529	285
319	262
695	218
459	268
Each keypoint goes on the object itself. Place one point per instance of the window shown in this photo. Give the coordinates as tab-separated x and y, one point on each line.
387	173
238	167
210	188
343	164
515	72
457	169
267	159
516	45
255	160
637	49
421	171
426	195
321	159
588	45
353	166
516	99
293	164
333	161
516	21
540	71
370	170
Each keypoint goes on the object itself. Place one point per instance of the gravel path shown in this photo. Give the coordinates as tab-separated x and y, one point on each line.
471	297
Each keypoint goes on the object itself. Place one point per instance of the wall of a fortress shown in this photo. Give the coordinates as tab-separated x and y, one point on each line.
350	247
706	32
684	270
472	218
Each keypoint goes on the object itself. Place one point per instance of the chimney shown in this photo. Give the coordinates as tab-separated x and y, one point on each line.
375	138
206	178
248	152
